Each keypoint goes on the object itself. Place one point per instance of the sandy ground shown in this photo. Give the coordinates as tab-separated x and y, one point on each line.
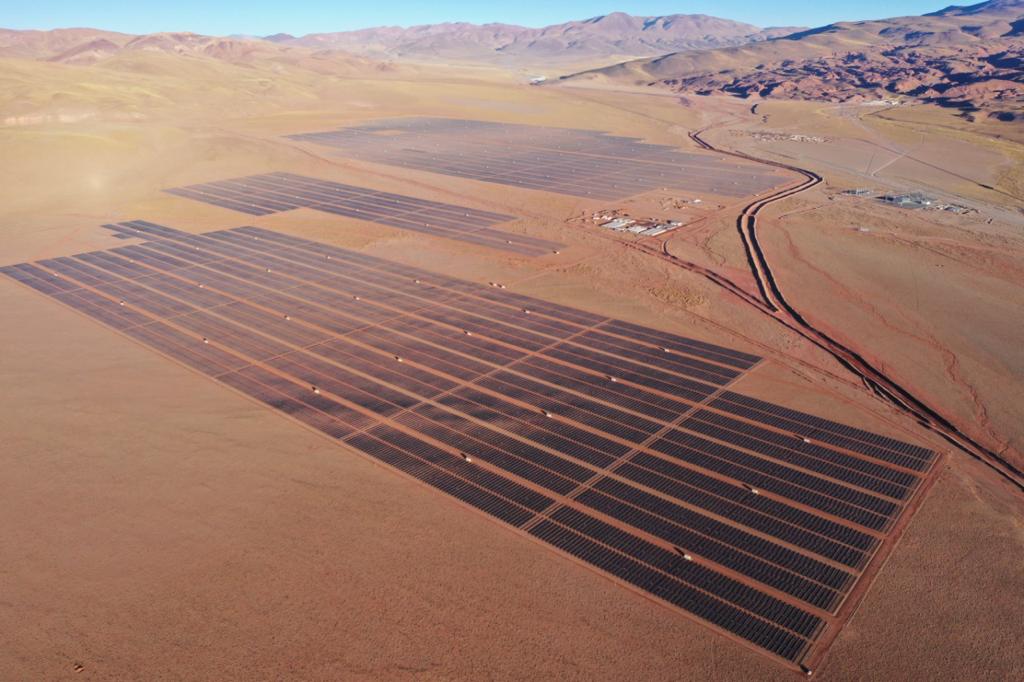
162	527
935	293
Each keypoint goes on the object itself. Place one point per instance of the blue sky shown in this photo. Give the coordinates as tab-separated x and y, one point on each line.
259	17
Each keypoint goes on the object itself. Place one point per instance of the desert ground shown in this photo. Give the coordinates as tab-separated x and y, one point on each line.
160	526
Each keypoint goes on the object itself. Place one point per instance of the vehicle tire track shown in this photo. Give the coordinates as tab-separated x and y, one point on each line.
773	302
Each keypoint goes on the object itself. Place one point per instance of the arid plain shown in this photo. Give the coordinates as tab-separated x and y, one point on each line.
162	526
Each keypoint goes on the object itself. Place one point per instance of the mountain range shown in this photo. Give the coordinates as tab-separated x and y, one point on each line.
602	39
964	56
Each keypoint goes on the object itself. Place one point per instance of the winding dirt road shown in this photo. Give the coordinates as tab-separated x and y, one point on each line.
773	302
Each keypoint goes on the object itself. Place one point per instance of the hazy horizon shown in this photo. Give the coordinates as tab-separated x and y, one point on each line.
260	18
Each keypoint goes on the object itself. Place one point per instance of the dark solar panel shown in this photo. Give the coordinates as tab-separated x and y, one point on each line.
583	163
274	192
613	442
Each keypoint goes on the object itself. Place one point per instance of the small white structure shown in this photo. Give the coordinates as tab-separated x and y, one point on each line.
618	223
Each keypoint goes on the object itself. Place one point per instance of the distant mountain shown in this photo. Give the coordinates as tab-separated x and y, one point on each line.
90	46
989	7
597	40
46	44
88	52
607	36
963	56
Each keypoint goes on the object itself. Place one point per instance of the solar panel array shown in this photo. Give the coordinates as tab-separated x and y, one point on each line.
274	192
583	163
617	444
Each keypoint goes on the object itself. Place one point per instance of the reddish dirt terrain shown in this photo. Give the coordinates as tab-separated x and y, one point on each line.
968	58
162	526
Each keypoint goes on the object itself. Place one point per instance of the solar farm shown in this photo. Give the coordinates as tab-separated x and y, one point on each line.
623	447
583	163
259	195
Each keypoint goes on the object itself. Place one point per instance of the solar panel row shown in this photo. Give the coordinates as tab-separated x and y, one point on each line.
584	163
274	192
515	413
871	444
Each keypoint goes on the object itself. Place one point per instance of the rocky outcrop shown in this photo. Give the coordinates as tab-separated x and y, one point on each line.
970	57
959	77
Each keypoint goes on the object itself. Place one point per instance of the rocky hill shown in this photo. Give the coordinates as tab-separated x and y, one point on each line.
46	44
606	36
963	56
86	47
598	40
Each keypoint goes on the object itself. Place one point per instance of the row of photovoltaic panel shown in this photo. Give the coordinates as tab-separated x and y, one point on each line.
207	198
420	350
439	227
594	448
265	194
313	270
780	470
633	398
526	462
577	162
509	502
505	297
651	406
622	347
639	573
530	431
721	460
227	367
531	342
567	405
793	525
864	473
717	537
525	496
599	147
695	574
227	333
581	175
450	477
260	321
412	202
352	419
622	368
704	491
287	193
495	385
204	358
872	444
298	409
330	188
453	436
788	571
718	353
694	495
704	545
